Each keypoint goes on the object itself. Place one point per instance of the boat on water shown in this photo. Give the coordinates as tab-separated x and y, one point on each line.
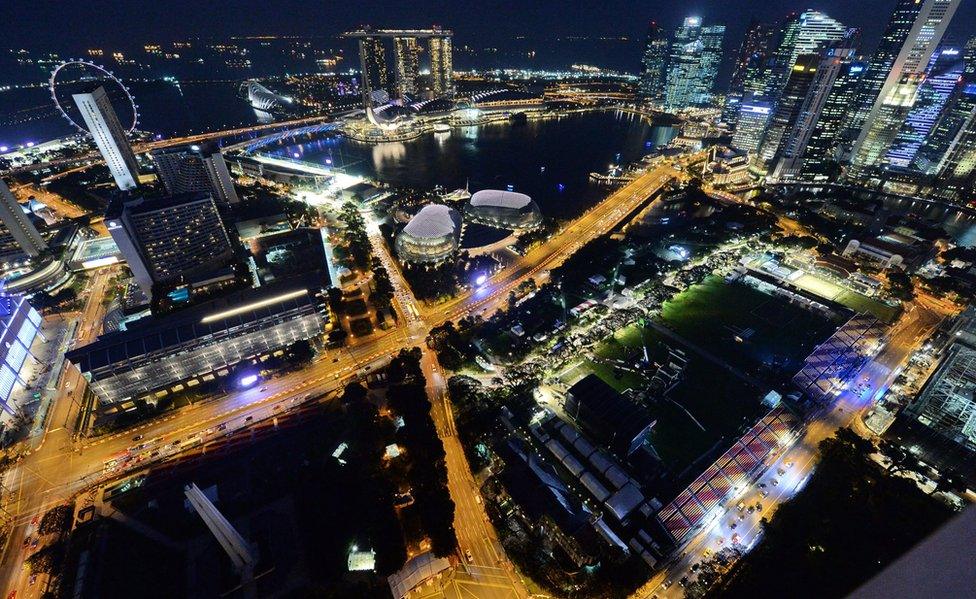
442	128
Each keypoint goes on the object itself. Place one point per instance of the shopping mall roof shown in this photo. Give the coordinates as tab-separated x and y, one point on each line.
209	319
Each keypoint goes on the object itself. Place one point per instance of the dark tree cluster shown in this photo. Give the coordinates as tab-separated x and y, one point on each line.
359	246
452	344
427	470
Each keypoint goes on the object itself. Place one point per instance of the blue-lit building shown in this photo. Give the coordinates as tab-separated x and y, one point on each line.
943	75
19	328
753	117
952	133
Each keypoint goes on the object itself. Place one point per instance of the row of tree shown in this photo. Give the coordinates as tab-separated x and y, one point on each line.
427	470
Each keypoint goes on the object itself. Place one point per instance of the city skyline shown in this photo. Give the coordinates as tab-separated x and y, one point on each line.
476	24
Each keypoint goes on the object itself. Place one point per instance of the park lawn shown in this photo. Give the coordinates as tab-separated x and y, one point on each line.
720	403
862	303
713	313
720	407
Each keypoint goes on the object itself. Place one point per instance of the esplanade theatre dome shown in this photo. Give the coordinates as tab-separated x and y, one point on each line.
430	236
503	209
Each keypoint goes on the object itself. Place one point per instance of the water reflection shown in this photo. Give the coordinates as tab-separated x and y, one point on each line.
384	153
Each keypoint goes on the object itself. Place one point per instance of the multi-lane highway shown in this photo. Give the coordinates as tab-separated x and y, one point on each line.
486	573
59	468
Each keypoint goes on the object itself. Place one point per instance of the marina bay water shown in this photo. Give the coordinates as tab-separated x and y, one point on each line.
548	158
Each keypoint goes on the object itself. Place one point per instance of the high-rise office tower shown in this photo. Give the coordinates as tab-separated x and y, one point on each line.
802	75
821	161
372	61
441	65
188	169
753	118
834	60
881	62
748	68
956	170
942	77
956	173
650	87
693	62
900	88
406	57
19	234
804	33
103	124
752	54
166	240
961	107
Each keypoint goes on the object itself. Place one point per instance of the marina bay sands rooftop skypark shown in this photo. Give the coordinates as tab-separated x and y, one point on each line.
393	33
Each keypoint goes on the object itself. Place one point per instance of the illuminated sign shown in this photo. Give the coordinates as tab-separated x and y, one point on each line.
253	306
99	262
755	109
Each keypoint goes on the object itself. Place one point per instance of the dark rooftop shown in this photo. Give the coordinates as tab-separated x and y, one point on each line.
606	414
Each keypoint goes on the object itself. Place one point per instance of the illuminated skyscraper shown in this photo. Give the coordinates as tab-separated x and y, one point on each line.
372	60
821	161
943	76
17	232
187	169
900	89
804	33
747	72
957	171
695	55
833	63
951	125
896	32
441	65
802	75
654	62
105	128
752	55
406	56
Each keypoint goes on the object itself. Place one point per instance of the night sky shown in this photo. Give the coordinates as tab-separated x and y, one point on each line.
46	23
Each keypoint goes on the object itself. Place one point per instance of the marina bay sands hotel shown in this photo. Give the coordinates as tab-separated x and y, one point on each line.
406	81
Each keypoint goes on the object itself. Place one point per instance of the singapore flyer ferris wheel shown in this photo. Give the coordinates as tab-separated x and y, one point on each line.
79	76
